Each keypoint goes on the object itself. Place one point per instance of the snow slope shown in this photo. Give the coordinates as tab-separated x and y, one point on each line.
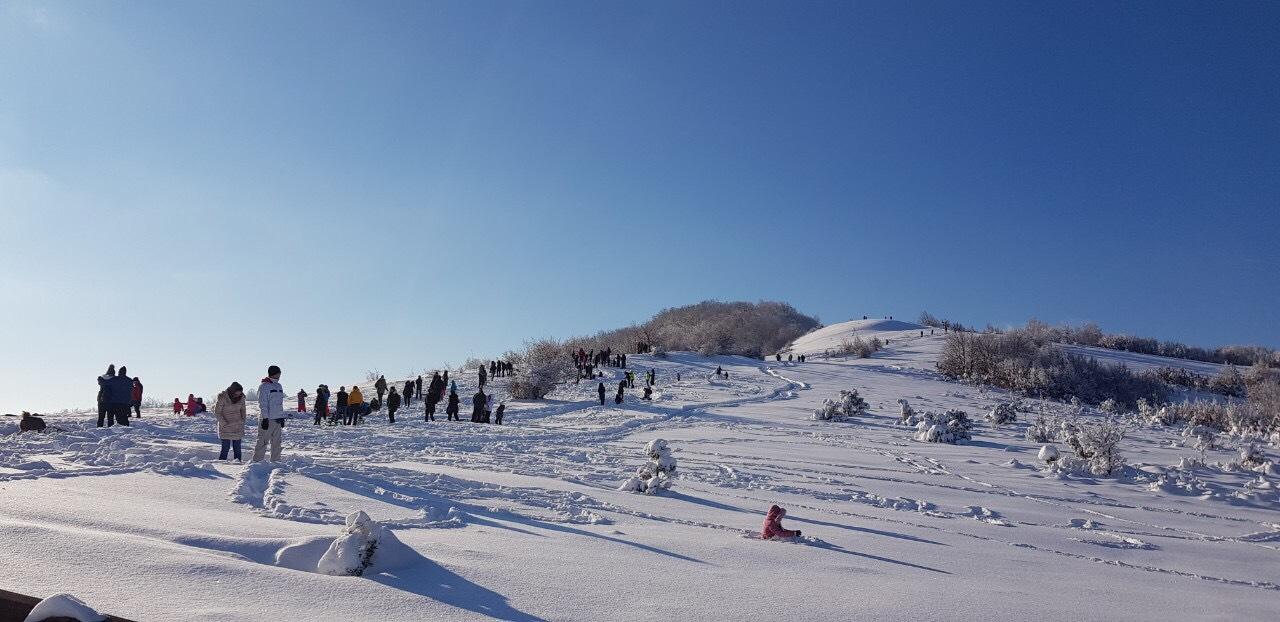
829	338
524	522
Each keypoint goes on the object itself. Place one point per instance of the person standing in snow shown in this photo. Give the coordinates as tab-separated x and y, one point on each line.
340	407
393	403
191	405
617	399
102	397
229	411
407	396
355	404
380	387
417	387
773	525
271	412
177	406
601	391
451	409
322	403
477	407
498	413
483	376
119	396
135	399
302	400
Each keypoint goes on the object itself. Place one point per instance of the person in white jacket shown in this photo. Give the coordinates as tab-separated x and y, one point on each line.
271	410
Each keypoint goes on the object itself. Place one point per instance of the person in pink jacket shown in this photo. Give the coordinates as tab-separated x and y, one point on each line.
192	406
773	525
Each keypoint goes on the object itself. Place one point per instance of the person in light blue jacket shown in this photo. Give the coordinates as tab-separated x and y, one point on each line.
271	412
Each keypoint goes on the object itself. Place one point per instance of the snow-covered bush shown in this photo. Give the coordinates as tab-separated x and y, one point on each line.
905	412
1043	429
1251	455
847	404
364	544
1048	454
1110	406
953	426
655	475
1098	443
1002	414
539	368
1200	437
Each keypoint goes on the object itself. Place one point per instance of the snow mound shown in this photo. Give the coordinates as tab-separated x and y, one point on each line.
64	606
655	475
364	546
830	337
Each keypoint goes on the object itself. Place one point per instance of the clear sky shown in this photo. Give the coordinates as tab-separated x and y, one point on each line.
200	189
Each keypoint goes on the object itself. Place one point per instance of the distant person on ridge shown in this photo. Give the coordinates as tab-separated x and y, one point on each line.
417	387
102	397
135	399
380	386
483	377
271	413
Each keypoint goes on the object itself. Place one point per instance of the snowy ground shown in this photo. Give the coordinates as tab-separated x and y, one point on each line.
523	522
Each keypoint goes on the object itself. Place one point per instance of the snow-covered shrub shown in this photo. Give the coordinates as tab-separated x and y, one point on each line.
1042	430
1098	443
847	404
1002	414
953	426
364	544
1251	455
1048	454
64	607
539	368
655	475
1200	437
905	412
1110	406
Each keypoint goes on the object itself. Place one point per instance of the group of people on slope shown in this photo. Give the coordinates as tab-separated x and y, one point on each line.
118	394
629	382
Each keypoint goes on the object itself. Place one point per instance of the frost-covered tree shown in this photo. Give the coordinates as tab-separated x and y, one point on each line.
847	404
1097	443
1042	430
953	426
539	368
1002	414
655	475
905	412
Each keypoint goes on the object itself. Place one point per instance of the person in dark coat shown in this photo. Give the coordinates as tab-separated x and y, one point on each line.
102	396
407	396
497	415
322	403
417	387
483	377
119	395
477	407
451	409
393	404
341	407
601	391
380	386
648	393
617	399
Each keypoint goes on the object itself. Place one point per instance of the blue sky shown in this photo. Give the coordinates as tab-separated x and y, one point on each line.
200	189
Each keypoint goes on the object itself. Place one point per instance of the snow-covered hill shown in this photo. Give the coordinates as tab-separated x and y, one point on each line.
830	338
524	521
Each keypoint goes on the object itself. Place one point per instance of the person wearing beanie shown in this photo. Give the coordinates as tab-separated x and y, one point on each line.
272	415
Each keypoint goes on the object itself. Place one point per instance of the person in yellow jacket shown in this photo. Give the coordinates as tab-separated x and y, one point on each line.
355	403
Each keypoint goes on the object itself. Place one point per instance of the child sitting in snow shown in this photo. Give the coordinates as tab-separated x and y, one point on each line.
773	525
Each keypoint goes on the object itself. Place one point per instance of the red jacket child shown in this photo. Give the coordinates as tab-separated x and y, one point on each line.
177	406
773	525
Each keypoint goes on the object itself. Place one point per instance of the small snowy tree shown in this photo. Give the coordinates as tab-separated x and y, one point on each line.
905	412
1098	443
953	426
1042	430
1109	406
655	475
1002	414
539	368
847	404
